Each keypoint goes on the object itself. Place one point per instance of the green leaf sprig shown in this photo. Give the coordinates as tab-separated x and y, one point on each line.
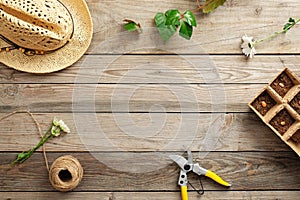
291	22
131	25
169	22
54	130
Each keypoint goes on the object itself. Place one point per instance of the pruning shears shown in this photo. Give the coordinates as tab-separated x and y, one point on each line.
187	166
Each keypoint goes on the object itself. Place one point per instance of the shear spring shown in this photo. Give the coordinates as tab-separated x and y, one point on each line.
201	190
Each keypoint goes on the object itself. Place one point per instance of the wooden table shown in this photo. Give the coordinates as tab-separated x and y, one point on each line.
152	97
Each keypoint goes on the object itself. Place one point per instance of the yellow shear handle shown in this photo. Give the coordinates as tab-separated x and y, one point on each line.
216	178
184	194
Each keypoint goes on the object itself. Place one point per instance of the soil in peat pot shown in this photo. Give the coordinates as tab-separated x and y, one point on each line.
282	121
263	103
296	136
295	103
282	84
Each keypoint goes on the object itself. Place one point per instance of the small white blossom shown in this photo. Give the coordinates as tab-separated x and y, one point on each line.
63	126
55	121
55	131
248	46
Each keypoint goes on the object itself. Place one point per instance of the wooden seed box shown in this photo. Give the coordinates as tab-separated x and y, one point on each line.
278	105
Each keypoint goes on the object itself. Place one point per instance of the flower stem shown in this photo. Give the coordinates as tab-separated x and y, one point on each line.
268	38
43	140
276	33
25	155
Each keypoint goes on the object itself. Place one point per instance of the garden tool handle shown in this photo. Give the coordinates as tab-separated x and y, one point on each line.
216	178
184	194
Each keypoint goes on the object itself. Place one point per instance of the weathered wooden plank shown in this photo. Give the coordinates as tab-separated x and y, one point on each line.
141	132
162	69
213	195
230	195
144	172
219	32
127	97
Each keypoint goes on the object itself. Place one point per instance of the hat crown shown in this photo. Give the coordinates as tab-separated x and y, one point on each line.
36	24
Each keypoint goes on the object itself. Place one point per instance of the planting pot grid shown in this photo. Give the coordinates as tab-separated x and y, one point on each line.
278	105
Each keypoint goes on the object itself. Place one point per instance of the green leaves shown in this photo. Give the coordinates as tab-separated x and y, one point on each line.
190	18
173	17
165	31
292	22
168	23
132	26
186	30
211	5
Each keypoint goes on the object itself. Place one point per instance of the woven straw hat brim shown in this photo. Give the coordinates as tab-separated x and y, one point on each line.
63	57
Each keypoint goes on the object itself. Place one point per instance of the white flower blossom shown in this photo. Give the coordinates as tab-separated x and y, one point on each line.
55	131
55	121
248	46
63	126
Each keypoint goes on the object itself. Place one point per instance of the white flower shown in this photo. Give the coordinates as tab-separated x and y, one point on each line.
248	46
55	121
61	124
55	131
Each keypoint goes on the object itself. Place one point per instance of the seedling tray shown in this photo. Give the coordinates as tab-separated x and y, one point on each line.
278	105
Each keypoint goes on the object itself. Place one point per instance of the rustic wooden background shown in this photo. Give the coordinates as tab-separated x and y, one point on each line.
248	154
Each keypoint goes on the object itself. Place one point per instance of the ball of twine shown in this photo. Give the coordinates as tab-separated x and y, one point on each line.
65	173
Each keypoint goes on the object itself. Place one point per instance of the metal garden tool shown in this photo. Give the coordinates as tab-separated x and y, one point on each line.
187	166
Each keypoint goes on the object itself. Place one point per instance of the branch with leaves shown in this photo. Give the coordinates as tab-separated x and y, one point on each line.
171	21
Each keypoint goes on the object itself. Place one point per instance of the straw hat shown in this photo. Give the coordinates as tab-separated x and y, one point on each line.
42	36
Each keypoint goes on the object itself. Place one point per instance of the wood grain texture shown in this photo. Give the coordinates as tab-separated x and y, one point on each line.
128	97
143	132
219	32
213	195
117	171
167	69
132	100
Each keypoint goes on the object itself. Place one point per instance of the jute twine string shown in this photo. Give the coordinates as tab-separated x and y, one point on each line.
65	172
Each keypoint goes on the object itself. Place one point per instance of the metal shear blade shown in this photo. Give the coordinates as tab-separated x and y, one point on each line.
181	161
184	164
